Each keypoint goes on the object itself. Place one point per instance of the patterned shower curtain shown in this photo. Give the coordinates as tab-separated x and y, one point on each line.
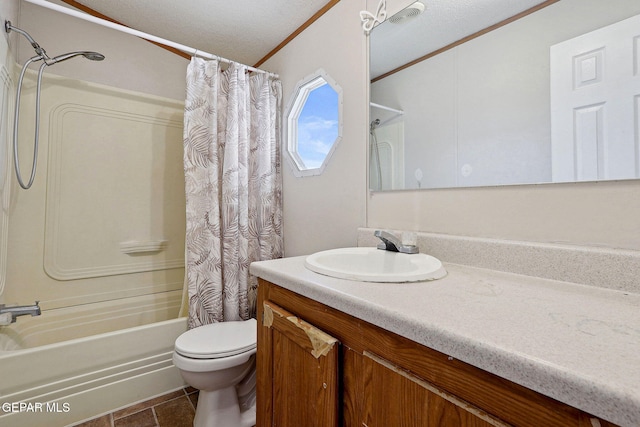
233	187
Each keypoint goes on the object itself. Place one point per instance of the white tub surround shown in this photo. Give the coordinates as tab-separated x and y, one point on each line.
66	382
82	321
577	344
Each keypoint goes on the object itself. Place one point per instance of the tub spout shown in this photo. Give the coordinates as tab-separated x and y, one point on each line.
20	310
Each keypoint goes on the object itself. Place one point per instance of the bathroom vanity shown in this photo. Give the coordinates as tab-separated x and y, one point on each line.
475	348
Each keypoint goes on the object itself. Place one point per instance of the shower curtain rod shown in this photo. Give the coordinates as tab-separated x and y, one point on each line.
190	50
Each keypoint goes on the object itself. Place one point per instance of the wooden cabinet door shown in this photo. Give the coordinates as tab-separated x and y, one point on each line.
299	371
396	397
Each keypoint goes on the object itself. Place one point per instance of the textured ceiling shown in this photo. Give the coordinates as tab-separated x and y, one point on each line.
247	30
240	30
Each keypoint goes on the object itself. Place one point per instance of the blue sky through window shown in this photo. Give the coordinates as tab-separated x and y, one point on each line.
318	126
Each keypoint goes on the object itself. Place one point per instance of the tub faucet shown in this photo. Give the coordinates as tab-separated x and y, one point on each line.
393	244
20	310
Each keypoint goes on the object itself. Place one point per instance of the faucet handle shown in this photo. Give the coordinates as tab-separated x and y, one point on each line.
408	249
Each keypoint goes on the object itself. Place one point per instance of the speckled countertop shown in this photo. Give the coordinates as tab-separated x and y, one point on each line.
577	344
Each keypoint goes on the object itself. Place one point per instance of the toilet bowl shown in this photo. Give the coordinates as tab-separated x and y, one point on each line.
219	360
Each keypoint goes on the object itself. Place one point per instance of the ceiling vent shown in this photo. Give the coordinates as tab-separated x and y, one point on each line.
408	13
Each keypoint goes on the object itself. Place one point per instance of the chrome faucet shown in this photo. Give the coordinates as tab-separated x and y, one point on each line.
21	310
393	244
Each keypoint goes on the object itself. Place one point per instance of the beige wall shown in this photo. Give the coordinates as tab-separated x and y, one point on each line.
601	214
322	212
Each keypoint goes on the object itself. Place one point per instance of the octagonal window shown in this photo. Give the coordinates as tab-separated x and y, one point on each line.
314	124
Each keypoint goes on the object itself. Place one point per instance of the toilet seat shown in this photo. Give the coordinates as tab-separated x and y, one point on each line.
218	340
208	365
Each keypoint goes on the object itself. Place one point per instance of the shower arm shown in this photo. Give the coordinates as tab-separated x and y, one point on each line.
39	50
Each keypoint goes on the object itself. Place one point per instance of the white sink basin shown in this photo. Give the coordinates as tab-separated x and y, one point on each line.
375	265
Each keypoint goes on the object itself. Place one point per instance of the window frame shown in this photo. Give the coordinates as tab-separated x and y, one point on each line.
296	104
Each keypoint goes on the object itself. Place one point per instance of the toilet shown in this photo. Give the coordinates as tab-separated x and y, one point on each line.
219	360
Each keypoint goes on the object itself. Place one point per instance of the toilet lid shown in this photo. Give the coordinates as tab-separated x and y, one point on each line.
218	340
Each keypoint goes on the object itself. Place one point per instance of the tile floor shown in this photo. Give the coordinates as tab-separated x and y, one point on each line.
175	409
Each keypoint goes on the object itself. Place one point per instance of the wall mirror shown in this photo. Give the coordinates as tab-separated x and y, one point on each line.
551	96
314	124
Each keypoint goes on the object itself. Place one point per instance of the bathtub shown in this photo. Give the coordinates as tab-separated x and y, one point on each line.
50	378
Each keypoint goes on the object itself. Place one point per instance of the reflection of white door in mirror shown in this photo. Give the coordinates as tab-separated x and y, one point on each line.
477	107
595	100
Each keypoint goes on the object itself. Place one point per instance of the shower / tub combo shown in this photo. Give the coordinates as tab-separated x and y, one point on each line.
103	333
9	314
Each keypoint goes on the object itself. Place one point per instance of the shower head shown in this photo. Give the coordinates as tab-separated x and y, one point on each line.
94	56
375	123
